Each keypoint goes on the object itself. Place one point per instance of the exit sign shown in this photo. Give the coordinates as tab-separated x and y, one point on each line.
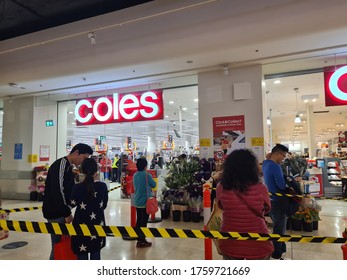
49	123
102	138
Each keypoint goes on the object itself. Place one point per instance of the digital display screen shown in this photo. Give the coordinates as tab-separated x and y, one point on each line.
320	163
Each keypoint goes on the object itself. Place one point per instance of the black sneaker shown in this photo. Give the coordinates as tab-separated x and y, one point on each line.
143	244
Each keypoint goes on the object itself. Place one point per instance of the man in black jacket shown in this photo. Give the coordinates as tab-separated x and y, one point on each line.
60	179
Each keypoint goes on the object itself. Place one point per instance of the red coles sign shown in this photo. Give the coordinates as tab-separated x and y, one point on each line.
335	84
120	107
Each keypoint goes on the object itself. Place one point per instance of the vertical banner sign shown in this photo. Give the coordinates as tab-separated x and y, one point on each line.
228	135
335	85
44	153
18	150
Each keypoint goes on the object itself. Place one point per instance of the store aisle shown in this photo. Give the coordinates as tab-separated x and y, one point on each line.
333	214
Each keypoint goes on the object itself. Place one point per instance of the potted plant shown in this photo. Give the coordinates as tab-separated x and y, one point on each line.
165	200
296	219
40	193
307	220
33	192
195	206
314	209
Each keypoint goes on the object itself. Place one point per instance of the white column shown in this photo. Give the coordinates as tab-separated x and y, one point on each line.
310	131
151	147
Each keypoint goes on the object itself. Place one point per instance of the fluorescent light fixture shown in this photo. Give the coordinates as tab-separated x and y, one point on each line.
297	119
309	97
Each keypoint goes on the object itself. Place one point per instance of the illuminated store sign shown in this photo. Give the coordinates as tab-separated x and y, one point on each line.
120	107
335	84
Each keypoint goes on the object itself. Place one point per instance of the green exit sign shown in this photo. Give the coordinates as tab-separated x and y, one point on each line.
49	123
102	138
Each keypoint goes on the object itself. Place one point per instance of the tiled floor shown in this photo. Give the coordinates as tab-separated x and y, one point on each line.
333	223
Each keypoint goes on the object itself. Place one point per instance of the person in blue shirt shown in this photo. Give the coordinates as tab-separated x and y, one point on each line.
275	182
143	184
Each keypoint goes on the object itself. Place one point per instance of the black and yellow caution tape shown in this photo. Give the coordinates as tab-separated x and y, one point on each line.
24	209
134	232
307	196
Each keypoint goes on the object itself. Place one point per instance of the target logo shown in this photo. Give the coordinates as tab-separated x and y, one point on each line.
335	84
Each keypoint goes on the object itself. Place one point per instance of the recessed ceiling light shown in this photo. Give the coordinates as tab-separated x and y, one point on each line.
171	102
184	108
277	82
70	112
195	114
166	116
196	100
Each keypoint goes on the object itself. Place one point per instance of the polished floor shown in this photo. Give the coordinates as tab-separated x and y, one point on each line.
333	223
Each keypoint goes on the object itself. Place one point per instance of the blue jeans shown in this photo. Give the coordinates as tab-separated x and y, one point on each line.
55	238
279	220
93	256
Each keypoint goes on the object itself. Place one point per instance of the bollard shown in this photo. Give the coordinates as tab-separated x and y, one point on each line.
207	187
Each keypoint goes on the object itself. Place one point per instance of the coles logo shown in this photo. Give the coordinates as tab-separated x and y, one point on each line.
126	107
335	84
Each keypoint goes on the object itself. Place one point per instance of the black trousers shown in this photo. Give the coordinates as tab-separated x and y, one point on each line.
141	220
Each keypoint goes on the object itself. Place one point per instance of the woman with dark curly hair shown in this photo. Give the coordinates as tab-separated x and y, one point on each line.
244	201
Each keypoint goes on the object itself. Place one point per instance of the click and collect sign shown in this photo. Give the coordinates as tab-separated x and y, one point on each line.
120	107
335	85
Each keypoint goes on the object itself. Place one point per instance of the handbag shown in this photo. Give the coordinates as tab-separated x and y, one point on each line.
215	223
151	203
62	249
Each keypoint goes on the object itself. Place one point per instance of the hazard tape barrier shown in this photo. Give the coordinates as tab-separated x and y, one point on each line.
134	232
305	196
24	209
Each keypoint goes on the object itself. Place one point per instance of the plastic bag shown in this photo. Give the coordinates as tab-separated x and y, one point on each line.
152	206
62	250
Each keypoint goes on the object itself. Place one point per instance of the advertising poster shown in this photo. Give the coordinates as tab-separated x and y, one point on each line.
44	153
228	135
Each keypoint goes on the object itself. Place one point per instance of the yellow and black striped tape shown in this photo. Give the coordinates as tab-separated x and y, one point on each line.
23	209
134	232
277	194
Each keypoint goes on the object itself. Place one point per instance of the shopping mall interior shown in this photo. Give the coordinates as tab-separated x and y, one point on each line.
130	49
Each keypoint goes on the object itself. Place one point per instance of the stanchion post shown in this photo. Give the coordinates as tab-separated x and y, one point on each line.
207	187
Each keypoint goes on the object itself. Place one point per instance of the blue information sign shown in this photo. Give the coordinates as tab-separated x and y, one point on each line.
18	150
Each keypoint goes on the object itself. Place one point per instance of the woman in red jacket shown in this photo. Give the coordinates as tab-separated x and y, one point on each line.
244	201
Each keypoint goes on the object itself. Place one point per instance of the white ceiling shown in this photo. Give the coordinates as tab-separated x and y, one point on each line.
160	42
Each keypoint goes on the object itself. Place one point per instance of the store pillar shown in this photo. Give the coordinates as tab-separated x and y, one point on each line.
310	132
